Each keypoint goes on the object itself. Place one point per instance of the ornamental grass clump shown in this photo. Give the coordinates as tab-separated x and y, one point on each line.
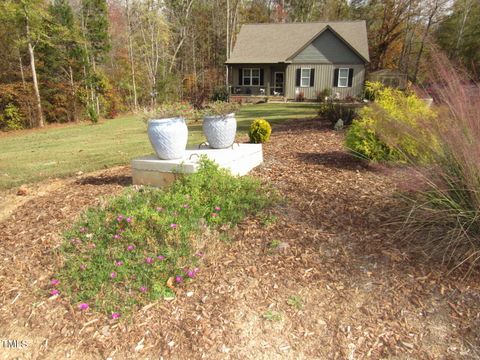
444	218
142	244
259	131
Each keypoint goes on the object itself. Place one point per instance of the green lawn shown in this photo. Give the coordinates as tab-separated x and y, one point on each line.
58	152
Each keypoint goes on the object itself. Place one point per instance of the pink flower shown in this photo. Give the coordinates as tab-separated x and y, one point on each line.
173	226
130	247
120	218
161	257
82	229
160	209
214	214
54	292
54	282
83	306
92	245
83	267
199	254
115	315
117	236
185	206
190	273
196	270
118	263
143	289
129	220
218	208
178	279
149	260
113	274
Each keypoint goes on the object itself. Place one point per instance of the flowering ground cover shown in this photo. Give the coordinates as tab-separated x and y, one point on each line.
140	245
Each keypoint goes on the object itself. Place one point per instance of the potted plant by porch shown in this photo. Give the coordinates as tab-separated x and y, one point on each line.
219	124
167	130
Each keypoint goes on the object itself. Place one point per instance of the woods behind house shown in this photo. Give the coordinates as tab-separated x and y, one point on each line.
67	60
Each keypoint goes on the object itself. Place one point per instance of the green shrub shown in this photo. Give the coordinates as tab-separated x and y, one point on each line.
259	131
379	133
92	114
123	254
220	94
11	118
332	111
323	94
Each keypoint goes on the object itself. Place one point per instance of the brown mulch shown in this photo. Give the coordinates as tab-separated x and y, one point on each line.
362	293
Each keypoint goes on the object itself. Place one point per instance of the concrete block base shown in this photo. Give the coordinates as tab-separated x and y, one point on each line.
239	159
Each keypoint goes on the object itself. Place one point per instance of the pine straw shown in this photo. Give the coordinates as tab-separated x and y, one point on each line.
364	296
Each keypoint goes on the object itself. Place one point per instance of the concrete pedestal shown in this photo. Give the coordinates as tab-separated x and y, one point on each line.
239	159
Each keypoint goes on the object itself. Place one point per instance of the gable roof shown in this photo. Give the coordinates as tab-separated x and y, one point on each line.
274	43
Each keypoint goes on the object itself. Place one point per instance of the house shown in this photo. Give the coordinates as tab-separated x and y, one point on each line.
290	59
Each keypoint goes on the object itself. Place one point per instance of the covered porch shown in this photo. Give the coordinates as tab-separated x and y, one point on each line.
257	79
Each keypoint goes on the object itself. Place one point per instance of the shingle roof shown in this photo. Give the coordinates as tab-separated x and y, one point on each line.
273	43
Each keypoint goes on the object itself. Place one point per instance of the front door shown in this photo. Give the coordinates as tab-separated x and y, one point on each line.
278	83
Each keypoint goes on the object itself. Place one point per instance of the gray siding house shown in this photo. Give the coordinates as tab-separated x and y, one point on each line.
288	59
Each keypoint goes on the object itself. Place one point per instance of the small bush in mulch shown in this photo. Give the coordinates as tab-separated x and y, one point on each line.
140	245
333	111
259	132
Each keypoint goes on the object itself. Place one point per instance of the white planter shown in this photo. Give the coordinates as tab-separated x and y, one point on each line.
220	130
168	137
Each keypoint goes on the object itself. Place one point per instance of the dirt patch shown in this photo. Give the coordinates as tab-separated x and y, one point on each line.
320	276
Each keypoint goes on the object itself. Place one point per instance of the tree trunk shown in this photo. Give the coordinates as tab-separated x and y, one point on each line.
31	52
132	62
24	85
72	85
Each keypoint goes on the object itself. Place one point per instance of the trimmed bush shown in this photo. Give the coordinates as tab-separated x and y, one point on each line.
220	94
259	131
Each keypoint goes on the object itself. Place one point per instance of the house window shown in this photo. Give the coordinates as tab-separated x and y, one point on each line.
305	77
343	77
251	76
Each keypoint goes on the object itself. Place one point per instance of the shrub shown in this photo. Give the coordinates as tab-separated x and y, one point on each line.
259	131
11	119
324	94
333	111
382	136
220	94
300	97
132	250
92	114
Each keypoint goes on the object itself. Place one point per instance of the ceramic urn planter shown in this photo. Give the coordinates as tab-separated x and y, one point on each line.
168	137
220	130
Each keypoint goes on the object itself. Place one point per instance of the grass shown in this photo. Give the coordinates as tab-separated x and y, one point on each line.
30	156
142	244
271	315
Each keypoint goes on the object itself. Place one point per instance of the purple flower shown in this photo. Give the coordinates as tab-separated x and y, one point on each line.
129	220
120	218
218	208
83	306
149	260
190	273
161	257
118	263
54	292
115	315
117	236
54	282
82	229
143	289
178	279
130	247
83	267
113	274
173	226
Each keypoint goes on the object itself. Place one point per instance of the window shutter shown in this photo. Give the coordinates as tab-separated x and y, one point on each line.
335	78
350	77
240	76
261	76
297	80
312	77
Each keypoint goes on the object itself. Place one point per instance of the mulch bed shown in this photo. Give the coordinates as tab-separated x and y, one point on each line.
363	293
